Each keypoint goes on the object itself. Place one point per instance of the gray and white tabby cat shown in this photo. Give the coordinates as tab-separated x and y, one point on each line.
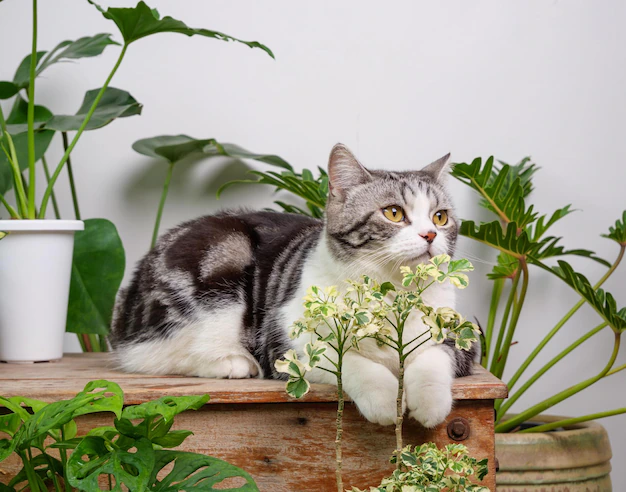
216	296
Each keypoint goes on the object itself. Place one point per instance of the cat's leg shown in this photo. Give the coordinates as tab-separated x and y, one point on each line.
428	384
372	387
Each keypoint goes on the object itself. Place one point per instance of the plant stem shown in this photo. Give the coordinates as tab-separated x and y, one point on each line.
18	184
517	310
399	413
496	293
513	398
57	171
63	454
339	435
46	170
30	472
70	174
559	397
31	118
575	420
505	319
616	370
166	186
10	209
560	324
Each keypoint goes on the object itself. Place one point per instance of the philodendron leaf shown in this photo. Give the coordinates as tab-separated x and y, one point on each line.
130	469
17	121
97	272
175	148
491	233
85	47
8	89
167	407
115	103
196	473
618	232
141	21
22	74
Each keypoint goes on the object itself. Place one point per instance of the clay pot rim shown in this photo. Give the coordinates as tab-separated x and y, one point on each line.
591	425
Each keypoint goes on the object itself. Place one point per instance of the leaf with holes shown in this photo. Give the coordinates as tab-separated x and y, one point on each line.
197	473
102	458
140	21
97	271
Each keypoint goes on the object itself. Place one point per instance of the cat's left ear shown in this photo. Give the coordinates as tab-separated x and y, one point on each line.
438	169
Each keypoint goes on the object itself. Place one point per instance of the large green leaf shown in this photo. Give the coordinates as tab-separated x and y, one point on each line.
8	89
196	473
539	228
603	302
141	21
85	47
115	103
503	195
175	148
97	272
491	233
16	125
130	469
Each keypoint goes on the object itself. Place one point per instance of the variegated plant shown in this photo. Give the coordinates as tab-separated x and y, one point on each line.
336	323
430	469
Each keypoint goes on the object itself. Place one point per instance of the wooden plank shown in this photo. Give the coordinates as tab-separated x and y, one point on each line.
290	446
61	380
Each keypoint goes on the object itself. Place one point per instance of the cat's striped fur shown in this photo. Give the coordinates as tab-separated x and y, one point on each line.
216	296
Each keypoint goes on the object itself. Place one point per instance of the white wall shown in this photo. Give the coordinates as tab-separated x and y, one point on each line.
401	83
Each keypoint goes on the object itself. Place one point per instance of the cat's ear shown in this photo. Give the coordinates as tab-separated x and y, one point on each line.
345	171
438	169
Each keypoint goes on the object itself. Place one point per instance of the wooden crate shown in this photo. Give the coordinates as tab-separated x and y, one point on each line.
287	445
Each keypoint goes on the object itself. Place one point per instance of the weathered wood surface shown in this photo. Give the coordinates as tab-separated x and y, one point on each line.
287	445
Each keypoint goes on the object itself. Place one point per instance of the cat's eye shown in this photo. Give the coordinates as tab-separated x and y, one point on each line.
394	213
440	218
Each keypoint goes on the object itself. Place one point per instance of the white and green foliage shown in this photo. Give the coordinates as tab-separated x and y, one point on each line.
55	457
427	468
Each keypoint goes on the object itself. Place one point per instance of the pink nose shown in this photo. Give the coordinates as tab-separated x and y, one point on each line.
429	236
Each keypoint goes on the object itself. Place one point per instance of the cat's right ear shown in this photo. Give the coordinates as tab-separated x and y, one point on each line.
344	171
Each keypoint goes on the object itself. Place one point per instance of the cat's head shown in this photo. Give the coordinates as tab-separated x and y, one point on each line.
386	219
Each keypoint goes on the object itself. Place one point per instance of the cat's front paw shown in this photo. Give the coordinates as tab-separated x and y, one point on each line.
379	406
430	407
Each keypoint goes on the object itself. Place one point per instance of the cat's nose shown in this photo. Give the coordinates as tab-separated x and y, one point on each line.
429	236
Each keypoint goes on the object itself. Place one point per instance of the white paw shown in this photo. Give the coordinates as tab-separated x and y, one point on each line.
231	367
379	405
430	405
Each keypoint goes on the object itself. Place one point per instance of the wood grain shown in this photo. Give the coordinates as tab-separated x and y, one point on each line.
287	445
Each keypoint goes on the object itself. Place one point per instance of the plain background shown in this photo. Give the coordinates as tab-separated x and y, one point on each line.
401	83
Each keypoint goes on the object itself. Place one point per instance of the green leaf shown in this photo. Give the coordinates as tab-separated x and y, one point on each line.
491	233
22	74
172	439
175	148
17	122
45	466
130	469
386	287
167	407
506	268
618	232
115	103
297	388
141	21
8	89
85	47
196	473
97	272
541	226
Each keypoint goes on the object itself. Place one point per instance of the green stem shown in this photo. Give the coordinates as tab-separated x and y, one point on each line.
559	397
399	413
575	420
30	472
57	171
505	320
166	186
63	454
70	174
512	399
103	343
562	322
517	310
339	434
46	170
31	118
10	209
496	294
616	370
18	184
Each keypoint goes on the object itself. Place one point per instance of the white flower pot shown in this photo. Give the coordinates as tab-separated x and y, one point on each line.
35	269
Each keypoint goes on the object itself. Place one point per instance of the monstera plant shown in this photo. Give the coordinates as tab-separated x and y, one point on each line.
26	133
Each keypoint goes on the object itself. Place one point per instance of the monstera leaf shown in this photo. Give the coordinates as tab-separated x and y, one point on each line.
491	233
97	272
194	473
115	103
503	194
141	21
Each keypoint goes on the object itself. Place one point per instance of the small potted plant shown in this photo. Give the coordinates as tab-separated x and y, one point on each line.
39	259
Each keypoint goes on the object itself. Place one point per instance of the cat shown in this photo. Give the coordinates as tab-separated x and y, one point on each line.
216	296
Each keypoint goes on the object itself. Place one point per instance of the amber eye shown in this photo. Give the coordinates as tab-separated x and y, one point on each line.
394	213
440	218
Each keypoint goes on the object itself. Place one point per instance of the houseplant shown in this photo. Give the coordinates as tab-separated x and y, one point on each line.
519	236
44	248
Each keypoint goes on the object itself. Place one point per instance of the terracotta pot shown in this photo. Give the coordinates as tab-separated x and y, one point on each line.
577	459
